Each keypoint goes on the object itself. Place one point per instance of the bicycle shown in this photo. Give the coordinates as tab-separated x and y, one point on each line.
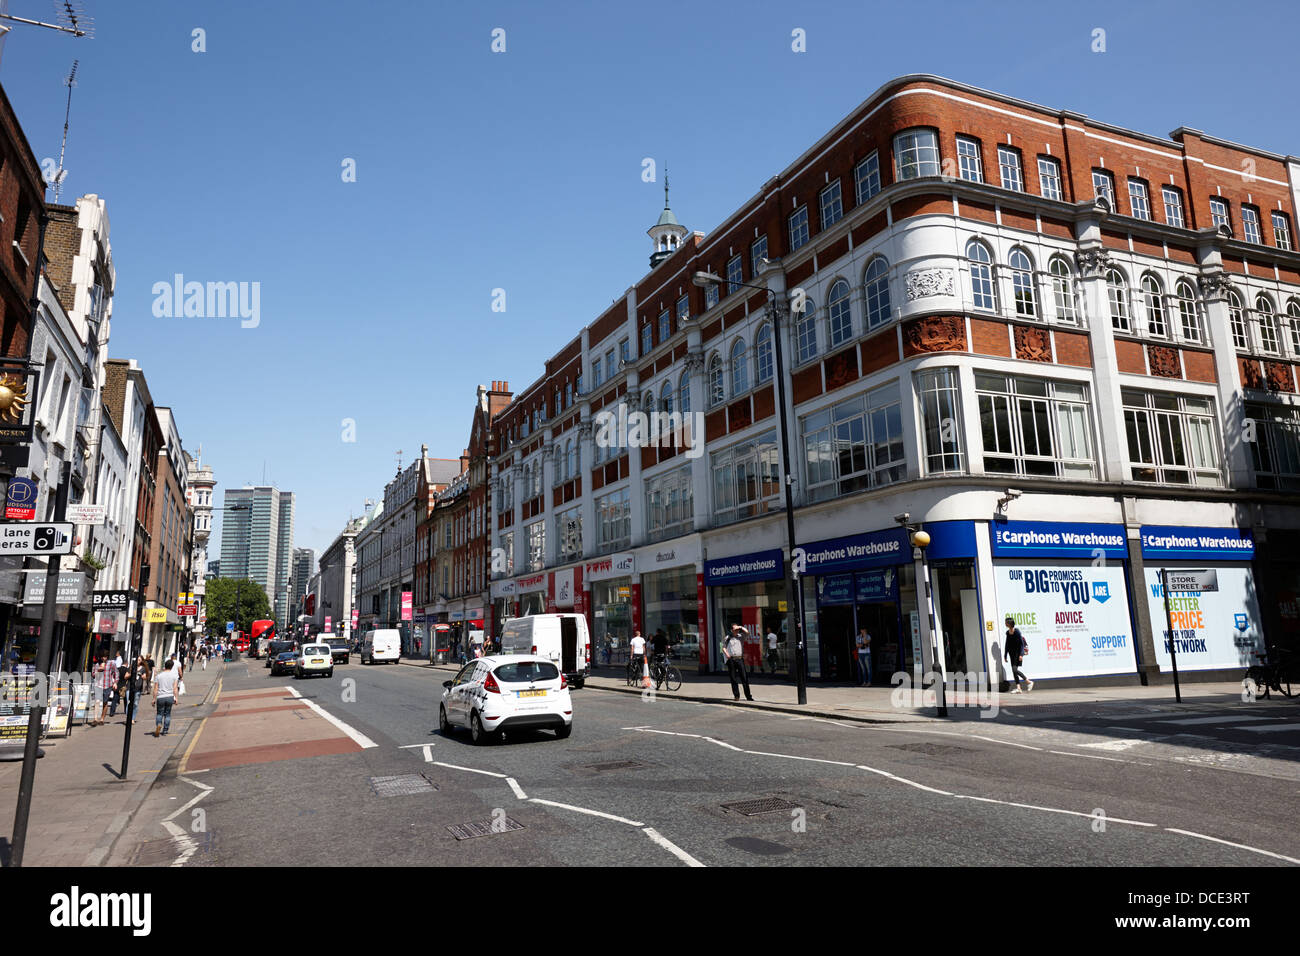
634	671
1279	675
663	672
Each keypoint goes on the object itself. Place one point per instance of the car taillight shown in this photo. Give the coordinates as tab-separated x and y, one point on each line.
563	683
534	648
490	685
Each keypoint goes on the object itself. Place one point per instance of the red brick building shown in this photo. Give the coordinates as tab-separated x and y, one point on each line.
969	291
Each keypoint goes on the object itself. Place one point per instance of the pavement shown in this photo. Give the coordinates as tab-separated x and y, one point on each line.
80	805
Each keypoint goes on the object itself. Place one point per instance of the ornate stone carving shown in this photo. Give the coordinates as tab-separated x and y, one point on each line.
1277	375
1093	262
936	333
1163	361
1033	345
584	430
928	282
1214	285
632	400
694	361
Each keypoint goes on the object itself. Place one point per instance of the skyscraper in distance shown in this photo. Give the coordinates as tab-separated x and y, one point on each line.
257	542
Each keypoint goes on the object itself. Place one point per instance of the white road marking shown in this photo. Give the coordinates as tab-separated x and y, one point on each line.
364	742
671	847
184	843
1072	813
412	746
205	791
1066	753
516	788
1125	744
910	783
486	773
1239	846
721	743
592	813
1228	719
762	753
1270	728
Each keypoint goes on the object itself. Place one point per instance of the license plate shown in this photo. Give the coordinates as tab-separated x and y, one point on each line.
532	693
318	660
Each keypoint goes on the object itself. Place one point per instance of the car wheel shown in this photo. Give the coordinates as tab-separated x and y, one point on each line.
330	672
477	732
563	732
444	725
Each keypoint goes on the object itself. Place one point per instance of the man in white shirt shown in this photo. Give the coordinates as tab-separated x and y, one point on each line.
165	688
636	647
772	658
733	652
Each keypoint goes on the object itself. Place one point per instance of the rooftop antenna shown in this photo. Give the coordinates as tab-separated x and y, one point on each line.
62	173
399	461
72	19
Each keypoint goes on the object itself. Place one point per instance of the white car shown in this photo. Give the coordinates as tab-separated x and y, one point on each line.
314	659
496	694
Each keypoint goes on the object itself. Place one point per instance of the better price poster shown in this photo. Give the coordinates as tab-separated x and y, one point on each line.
1075	618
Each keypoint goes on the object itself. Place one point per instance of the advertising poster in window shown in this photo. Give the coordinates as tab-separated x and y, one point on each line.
1075	618
1214	629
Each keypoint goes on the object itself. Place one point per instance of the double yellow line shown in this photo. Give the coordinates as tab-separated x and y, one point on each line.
185	761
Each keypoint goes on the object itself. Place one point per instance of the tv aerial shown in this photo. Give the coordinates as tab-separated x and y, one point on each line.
71	17
62	173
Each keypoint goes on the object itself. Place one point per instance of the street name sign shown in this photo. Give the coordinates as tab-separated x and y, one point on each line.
54	538
1191	582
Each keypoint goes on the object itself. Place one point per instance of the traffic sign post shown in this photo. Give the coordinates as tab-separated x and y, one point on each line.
49	538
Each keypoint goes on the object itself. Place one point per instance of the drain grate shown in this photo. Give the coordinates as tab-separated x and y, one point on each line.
468	831
616	765
932	750
401	785
164	852
752	808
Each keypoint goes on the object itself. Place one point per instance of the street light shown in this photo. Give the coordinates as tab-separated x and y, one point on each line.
794	588
932	652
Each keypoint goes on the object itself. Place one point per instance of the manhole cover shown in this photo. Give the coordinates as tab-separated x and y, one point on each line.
757	846
401	785
616	765
467	831
752	808
933	750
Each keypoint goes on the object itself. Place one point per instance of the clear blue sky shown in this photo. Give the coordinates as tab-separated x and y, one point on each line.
519	170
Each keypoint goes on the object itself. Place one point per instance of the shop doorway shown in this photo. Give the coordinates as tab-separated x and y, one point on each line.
881	622
838	630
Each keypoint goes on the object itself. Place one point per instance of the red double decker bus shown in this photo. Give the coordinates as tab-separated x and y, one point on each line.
261	634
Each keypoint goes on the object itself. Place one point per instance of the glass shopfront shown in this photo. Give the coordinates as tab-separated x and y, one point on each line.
611	614
750	590
671	604
532	602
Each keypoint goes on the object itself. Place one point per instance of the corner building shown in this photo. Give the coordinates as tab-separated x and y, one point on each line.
1067	350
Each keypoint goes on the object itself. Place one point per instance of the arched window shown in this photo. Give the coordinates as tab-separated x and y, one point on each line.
1268	337
1188	318
568	460
717	394
1022	283
666	398
841	318
805	330
1067	309
1117	293
982	291
1237	321
648	402
763	354
577	458
1293	315
1153	298
739	369
684	393
875	282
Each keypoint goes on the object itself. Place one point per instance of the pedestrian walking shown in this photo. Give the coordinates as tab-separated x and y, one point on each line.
733	652
104	680
148	674
772	657
203	657
119	690
864	657
136	678
165	689
1014	649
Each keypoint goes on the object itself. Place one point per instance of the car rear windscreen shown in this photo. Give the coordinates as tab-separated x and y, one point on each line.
317	649
526	671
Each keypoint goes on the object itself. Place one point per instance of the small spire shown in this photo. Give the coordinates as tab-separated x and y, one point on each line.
665	187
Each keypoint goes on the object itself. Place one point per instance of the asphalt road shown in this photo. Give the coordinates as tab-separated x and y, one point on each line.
646	783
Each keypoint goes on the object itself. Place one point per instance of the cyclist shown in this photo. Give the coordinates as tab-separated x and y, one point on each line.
636	662
659	643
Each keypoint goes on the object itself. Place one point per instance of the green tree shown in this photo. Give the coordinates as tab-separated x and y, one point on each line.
221	594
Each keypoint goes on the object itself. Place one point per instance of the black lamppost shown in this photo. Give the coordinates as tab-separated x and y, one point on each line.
794	587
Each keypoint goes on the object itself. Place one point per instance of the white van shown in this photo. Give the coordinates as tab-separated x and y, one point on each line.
382	645
561	638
